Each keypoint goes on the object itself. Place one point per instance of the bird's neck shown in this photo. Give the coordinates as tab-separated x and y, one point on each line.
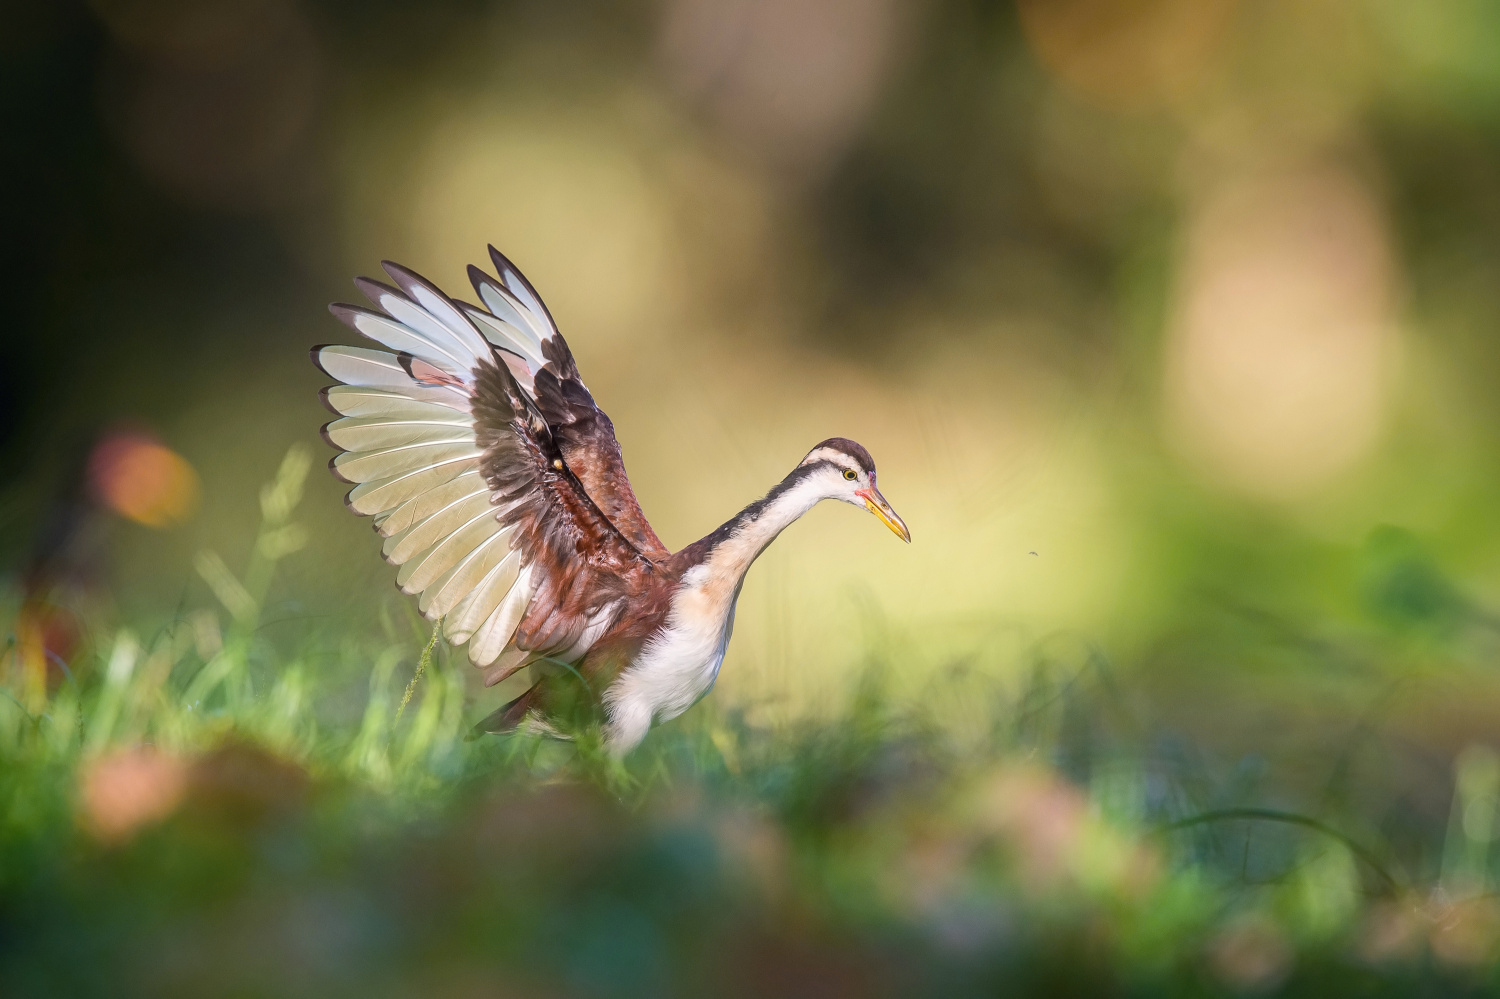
731	549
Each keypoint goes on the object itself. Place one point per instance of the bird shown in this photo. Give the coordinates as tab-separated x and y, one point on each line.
499	488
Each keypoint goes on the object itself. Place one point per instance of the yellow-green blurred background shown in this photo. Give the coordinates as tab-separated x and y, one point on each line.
1170	323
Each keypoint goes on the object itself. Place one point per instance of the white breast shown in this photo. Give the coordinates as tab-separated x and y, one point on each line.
679	665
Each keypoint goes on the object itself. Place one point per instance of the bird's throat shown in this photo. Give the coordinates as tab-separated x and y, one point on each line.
739	542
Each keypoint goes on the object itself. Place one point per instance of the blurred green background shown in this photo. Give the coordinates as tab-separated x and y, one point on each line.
1170	324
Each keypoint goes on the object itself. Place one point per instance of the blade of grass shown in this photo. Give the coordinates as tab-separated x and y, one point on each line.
423	662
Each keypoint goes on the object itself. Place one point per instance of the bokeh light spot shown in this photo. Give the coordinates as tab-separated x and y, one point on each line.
143	480
1278	360
790	82
129	789
212	101
592	227
1124	53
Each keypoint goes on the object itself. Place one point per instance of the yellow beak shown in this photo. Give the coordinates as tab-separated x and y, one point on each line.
877	505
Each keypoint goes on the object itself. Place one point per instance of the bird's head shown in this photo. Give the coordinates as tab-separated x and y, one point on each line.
847	472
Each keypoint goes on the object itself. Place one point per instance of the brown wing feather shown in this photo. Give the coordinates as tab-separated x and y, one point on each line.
585	435
581	561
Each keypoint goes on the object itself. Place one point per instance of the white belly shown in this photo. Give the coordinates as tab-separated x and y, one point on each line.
679	665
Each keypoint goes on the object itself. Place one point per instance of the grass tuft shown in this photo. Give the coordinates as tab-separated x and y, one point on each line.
189	809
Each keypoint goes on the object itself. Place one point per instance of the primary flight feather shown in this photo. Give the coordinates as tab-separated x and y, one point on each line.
498	486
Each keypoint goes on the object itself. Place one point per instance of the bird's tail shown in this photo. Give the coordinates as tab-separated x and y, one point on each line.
522	713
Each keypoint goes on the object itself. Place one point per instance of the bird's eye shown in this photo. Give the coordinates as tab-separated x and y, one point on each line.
850	474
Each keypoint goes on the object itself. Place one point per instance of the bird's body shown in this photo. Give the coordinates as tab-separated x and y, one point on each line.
500	490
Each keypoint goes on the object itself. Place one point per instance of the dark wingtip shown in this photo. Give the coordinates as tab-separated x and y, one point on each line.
372	289
347	314
313	355
396	271
478	279
323	393
408	278
499	259
502	264
336	473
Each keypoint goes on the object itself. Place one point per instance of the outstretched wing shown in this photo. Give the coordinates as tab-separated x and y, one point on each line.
519	322
467	480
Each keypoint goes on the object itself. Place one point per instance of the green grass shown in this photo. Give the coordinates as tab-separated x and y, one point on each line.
196	809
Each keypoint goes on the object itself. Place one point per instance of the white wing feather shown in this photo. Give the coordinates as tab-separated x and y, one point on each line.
407	440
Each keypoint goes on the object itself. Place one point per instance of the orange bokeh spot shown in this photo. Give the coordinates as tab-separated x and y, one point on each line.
128	790
143	480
